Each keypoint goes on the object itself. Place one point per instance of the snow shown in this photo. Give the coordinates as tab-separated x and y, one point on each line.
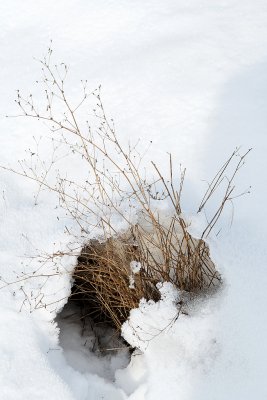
191	77
180	346
135	267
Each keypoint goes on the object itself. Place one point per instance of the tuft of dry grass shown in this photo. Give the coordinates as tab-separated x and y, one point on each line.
118	182
110	288
102	280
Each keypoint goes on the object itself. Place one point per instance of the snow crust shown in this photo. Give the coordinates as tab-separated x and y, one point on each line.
191	77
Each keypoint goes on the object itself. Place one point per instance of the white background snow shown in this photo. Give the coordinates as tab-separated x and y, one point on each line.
191	76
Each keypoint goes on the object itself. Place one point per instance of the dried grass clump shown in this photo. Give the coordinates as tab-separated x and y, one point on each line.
117	184
109	287
103	280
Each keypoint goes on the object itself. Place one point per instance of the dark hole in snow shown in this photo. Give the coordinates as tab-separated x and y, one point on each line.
91	347
90	339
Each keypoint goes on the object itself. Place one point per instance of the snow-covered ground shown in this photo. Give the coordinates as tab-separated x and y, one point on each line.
191	76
